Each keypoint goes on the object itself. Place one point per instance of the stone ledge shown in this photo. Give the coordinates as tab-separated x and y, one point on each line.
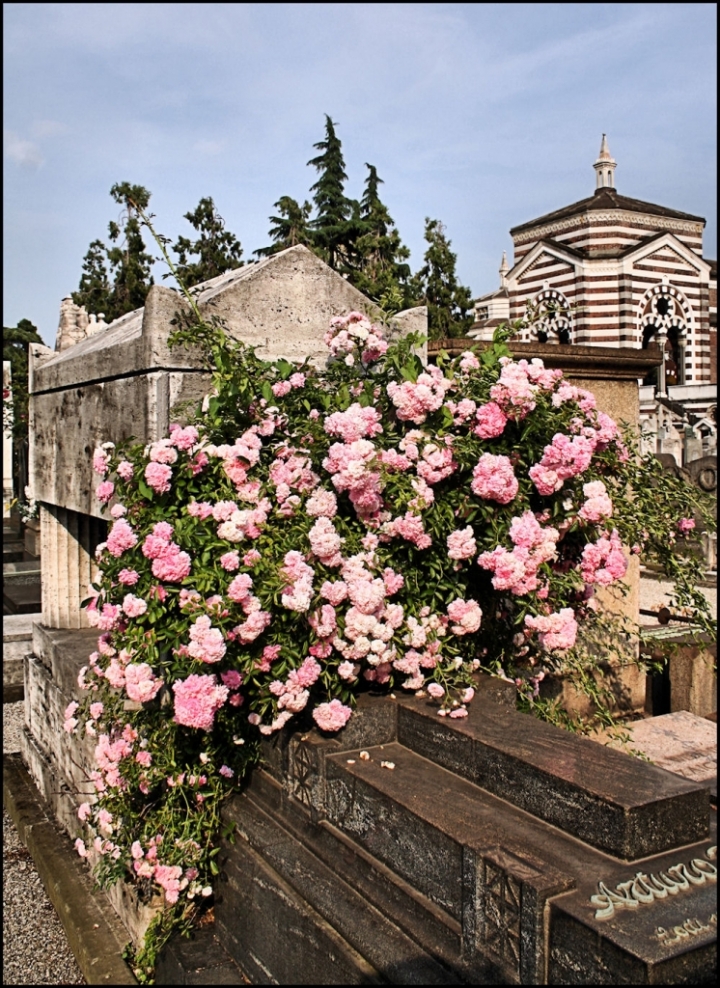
96	938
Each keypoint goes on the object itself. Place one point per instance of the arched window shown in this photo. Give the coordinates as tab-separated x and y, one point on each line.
553	319
664	317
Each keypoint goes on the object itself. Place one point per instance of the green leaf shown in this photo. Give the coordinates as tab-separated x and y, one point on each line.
146	491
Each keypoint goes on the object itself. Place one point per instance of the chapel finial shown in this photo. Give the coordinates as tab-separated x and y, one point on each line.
504	268
605	167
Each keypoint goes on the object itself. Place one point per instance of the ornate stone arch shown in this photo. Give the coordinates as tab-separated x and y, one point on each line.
554	317
664	316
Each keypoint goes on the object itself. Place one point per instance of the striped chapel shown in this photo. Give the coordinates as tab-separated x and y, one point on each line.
610	270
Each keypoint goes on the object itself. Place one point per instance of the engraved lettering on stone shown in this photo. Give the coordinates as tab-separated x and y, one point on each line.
501	907
644	889
304	772
690	928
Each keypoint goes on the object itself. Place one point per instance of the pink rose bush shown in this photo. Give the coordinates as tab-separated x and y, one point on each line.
377	524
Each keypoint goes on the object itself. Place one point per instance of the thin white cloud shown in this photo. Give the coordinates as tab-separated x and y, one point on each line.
49	128
209	147
22	152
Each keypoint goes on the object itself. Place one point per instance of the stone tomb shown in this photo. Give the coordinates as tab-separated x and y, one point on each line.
124	381
411	849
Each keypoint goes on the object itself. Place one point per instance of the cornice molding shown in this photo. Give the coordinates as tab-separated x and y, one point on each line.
618	217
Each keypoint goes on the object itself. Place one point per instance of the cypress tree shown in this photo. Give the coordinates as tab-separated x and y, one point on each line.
336	223
216	248
289	228
436	283
94	291
383	269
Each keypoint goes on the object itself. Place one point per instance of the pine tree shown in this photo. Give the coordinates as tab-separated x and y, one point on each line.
290	228
336	225
131	265
383	268
217	249
94	291
436	283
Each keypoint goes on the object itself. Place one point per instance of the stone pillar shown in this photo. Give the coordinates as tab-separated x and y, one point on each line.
69	540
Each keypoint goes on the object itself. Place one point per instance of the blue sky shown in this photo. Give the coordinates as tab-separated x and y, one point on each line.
481	115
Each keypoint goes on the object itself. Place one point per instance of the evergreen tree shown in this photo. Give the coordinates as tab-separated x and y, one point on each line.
217	249
16	343
336	226
383	269
131	265
436	284
291	227
94	291
125	287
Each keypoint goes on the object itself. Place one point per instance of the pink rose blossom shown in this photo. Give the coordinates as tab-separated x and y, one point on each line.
197	700
494	479
230	561
141	684
125	470
172	566
163	452
331	716
686	525
461	544
598	505
184	439
206	643
158	477
121	538
557	631
491	421
133	606
200	509
100	462
128	577
466	614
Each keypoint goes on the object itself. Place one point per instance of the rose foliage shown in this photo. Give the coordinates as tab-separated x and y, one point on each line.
378	524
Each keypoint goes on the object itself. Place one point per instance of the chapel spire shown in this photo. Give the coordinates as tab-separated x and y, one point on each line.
504	268
605	167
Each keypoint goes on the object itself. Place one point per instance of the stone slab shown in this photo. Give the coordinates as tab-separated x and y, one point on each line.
18	627
617	932
22	598
200	959
596	794
398	958
679	742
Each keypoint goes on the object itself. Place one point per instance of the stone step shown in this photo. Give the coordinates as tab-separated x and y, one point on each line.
13	552
406	908
23	571
421	821
611	801
22	598
503	874
394	956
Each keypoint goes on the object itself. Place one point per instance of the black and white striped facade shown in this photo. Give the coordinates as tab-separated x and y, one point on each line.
611	270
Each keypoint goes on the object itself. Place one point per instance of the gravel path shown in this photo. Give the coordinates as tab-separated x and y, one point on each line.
35	950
